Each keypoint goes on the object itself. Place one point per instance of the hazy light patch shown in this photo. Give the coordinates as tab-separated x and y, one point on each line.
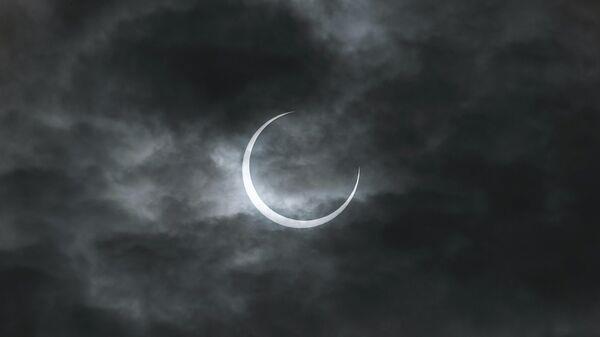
137	142
226	157
353	24
107	292
139	197
56	120
220	188
248	258
134	147
140	152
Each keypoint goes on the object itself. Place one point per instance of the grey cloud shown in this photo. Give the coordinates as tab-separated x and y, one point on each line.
123	126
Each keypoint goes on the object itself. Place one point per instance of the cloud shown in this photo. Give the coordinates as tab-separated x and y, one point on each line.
122	130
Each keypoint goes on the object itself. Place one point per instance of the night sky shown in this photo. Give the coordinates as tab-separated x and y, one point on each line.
476	125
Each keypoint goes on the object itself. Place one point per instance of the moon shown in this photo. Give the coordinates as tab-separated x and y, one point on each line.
266	210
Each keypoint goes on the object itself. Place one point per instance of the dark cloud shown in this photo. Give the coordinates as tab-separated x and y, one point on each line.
474	123
211	62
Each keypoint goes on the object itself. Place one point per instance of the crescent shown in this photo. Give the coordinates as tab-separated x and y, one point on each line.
266	210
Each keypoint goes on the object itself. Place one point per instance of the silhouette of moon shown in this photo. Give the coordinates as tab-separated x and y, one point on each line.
266	210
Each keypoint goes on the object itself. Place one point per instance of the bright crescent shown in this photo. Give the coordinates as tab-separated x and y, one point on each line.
266	210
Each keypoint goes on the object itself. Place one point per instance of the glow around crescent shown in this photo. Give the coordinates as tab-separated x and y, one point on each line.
266	210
